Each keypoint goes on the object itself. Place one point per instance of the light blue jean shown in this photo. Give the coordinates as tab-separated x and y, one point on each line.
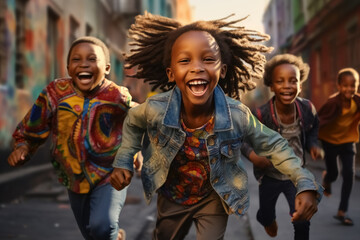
97	213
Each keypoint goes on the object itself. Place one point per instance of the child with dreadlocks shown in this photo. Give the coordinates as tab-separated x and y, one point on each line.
193	160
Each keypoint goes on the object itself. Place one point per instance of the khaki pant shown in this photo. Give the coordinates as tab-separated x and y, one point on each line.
174	220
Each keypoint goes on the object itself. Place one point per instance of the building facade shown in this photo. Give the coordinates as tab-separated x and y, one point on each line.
326	33
35	36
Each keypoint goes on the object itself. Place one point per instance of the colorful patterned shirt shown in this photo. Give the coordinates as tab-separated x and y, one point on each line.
85	131
188	178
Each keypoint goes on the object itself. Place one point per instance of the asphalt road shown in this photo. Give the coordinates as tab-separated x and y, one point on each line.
44	212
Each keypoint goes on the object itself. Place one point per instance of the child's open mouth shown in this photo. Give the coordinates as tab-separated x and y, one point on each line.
198	87
286	95
85	77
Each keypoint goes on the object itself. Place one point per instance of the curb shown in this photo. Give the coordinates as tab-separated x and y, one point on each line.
16	183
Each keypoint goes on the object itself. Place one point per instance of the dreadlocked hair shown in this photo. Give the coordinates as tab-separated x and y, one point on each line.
153	37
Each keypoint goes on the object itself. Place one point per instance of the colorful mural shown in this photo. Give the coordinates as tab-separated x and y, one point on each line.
36	38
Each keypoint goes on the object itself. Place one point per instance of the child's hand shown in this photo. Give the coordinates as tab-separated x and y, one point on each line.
138	161
19	156
305	206
258	161
120	178
317	153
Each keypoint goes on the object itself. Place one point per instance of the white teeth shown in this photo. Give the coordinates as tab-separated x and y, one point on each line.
85	74
197	82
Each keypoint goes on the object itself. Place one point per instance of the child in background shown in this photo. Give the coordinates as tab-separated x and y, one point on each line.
339	131
83	115
193	161
296	120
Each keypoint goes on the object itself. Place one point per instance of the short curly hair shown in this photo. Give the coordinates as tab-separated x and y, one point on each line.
285	59
153	37
92	40
347	72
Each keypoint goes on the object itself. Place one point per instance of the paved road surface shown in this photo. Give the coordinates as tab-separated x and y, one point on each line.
44	213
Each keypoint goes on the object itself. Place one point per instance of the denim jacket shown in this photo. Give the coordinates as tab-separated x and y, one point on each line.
159	116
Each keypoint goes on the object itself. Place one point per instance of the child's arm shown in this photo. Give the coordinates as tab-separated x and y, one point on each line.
133	131
312	142
267	142
32	131
257	161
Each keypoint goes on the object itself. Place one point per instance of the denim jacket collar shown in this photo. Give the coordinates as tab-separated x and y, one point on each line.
223	120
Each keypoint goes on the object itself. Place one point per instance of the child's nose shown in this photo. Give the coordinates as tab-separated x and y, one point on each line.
84	63
287	84
197	67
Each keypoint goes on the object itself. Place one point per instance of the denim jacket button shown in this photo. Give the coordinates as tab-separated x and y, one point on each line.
230	152
226	196
211	141
213	160
215	180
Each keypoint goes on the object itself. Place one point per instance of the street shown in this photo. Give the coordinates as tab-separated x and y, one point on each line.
44	213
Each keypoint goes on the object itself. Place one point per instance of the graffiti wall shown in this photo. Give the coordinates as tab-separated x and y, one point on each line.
34	38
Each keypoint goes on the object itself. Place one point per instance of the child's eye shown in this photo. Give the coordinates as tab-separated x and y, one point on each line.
92	59
75	59
184	60
209	59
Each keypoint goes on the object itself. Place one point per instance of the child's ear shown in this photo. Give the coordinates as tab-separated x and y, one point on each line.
107	68
170	75
271	87
223	70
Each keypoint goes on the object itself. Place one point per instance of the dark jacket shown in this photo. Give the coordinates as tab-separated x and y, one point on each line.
309	121
309	124
333	108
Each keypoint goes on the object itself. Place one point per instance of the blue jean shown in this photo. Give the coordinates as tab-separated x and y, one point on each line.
97	213
269	191
346	153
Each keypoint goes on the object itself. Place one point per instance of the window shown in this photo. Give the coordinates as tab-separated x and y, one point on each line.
333	60
74	28
52	42
353	46
20	16
88	30
3	51
318	66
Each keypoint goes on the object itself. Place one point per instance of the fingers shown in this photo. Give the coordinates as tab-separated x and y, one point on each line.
305	206
313	155
18	157
317	153
120	178
303	214
138	162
